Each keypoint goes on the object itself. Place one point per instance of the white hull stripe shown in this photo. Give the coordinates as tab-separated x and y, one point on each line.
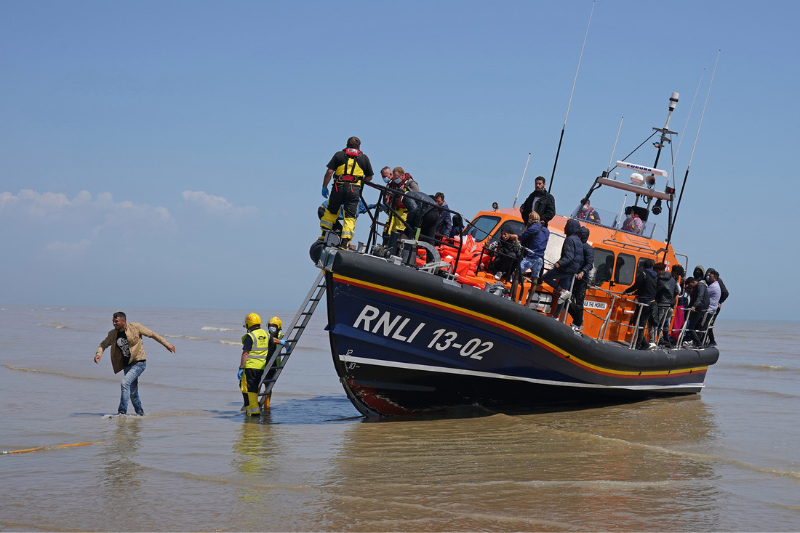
445	370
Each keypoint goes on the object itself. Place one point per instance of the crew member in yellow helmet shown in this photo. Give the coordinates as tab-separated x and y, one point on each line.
349	168
274	328
256	345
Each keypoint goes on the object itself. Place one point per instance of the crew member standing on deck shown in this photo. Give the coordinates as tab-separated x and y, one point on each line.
256	345
349	168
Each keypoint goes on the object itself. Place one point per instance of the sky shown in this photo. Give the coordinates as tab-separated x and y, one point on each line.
171	153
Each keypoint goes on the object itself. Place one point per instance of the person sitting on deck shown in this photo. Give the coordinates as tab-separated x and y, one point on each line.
507	253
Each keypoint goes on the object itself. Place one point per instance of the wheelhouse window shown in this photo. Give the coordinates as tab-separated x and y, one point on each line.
604	266
482	227
625	269
510	226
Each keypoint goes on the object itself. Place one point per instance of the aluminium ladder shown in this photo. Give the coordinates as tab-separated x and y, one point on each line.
277	361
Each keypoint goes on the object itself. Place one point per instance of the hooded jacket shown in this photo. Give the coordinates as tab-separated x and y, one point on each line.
588	252
666	290
572	250
644	286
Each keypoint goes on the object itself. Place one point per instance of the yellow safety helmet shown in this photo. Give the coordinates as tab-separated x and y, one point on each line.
251	320
276	321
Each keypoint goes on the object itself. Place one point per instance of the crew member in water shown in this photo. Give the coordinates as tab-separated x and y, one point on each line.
349	168
256	345
127	354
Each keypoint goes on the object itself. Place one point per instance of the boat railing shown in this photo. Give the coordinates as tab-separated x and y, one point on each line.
412	231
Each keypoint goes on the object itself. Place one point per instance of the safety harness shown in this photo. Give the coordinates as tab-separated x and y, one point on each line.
348	177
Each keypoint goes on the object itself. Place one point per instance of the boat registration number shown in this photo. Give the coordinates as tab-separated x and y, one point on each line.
590	304
402	329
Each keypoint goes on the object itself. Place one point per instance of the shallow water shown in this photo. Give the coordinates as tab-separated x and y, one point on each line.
727	459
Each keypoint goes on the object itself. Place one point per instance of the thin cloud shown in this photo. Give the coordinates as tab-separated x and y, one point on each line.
218	206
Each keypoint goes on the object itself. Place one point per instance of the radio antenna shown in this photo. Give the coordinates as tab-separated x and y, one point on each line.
685	176
520	181
558	151
608	168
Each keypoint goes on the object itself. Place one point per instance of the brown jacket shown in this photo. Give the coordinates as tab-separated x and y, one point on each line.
134	332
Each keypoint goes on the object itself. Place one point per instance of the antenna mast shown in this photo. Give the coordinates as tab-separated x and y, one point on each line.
520	181
558	151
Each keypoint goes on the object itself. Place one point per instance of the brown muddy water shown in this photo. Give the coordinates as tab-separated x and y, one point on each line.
726	459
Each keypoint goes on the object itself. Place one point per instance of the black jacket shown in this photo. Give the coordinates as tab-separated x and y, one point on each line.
588	253
666	290
644	286
723	291
546	206
700	300
418	205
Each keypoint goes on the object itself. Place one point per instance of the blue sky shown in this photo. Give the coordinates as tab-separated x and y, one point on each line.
171	153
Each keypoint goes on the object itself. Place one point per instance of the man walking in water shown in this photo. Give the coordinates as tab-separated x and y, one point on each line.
127	354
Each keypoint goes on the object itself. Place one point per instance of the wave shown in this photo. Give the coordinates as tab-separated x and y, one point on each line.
766	368
212	328
57	325
232	343
52	373
189	337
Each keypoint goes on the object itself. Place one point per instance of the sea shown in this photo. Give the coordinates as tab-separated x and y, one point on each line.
725	459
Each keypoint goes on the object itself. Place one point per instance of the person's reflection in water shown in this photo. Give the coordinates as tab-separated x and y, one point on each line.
256	459
121	471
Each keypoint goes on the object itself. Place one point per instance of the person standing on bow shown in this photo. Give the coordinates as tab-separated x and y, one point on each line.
445	224
645	287
349	168
127	354
540	201
256	344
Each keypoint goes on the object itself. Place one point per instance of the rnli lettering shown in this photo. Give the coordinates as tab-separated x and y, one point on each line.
385	325
397	327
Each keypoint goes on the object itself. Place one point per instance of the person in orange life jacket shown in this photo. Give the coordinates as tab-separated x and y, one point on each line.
403	182
127	354
349	168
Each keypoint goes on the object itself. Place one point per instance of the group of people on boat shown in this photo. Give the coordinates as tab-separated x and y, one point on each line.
660	293
349	169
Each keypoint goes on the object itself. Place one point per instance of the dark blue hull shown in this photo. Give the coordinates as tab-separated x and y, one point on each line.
407	342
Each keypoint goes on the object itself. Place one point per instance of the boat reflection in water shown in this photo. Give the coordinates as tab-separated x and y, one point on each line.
628	467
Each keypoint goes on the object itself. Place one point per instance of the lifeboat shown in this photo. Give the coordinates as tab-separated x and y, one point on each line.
410	337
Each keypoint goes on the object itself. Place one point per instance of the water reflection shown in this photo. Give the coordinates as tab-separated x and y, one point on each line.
121	472
630	466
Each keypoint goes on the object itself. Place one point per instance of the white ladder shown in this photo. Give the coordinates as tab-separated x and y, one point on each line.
277	361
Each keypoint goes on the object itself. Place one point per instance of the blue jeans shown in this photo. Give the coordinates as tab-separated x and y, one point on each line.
130	387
